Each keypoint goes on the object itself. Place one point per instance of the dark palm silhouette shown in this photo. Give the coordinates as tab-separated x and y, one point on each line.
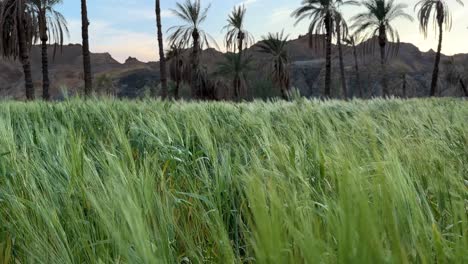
235	67
86	55
162	59
275	45
17	33
376	21
437	10
176	67
193	15
352	41
237	37
52	26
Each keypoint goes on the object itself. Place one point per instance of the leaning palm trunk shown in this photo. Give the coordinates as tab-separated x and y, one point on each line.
435	74
162	58
45	60
340	53
24	53
86	56
328	22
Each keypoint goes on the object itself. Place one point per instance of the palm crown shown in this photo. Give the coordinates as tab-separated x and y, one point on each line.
438	9
192	13
51	22
237	37
275	44
378	18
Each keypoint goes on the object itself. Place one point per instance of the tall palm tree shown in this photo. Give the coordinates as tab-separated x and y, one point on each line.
351	40
88	78
275	45
237	37
439	11
162	59
322	14
51	24
376	21
193	15
236	67
17	33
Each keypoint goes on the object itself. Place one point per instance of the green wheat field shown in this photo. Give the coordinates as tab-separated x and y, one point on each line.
264	182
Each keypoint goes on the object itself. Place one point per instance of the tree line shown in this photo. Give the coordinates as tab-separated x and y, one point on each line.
27	22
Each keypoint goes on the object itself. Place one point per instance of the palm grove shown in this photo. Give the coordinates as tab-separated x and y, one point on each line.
24	23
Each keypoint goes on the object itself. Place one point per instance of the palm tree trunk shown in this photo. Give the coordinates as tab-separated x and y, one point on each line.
86	56
45	71
176	90
435	74
382	43
328	57
195	63
45	59
356	68
463	86
237	88
405	93
24	54
162	58
340	53
240	37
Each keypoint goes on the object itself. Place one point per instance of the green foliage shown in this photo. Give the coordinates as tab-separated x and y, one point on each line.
286	182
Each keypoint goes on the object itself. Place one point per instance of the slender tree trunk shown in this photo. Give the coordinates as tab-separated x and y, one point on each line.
162	58
195	64
405	94
45	58
176	90
358	74
382	44
237	85
463	86
240	38
45	71
340	53
435	74
328	26
24	53
86	56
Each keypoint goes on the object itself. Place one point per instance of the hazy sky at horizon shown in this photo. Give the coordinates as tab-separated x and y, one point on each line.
127	27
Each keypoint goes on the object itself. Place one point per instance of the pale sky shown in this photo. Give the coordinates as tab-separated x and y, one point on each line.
127	27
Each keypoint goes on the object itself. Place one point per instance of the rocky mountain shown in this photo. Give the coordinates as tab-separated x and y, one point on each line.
409	71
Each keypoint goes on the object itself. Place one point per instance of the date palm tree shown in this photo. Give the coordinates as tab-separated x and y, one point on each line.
437	10
376	21
162	58
176	66
52	26
275	45
322	15
17	33
236	67
191	35
352	40
237	37
88	78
